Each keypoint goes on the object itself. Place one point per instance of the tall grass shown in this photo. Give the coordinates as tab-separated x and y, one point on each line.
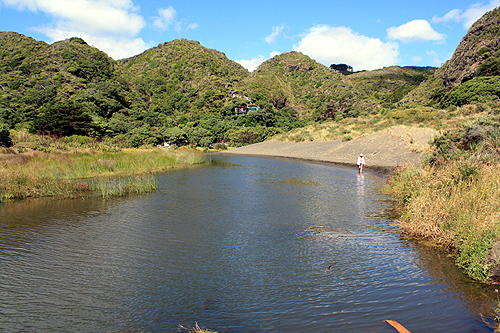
68	175
454	206
118	187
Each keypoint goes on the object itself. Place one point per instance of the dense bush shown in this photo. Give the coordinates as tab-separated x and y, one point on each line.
244	136
480	139
175	136
143	135
477	90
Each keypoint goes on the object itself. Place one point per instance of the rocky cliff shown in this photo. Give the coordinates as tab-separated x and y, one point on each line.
478	46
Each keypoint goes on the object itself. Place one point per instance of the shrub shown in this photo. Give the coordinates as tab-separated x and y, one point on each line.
175	135
5	139
244	136
62	118
200	136
220	146
346	138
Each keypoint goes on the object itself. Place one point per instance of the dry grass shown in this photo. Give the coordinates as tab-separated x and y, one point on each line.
417	118
456	206
196	329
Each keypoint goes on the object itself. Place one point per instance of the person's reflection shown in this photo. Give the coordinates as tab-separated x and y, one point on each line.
360	184
361	197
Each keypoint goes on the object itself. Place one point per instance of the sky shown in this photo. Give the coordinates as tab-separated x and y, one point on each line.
364	34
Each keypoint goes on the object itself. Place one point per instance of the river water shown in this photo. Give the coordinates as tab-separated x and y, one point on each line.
242	245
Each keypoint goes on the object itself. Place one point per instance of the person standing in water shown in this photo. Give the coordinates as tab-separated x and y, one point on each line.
361	162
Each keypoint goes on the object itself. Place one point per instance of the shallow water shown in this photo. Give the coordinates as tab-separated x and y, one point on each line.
242	245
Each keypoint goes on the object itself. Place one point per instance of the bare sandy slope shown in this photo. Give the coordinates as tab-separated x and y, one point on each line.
383	151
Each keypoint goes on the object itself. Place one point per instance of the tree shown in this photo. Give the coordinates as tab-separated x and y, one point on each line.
143	135
63	118
343	68
244	136
175	135
200	136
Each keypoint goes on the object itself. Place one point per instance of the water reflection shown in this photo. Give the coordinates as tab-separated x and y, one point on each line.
244	243
481	300
360	184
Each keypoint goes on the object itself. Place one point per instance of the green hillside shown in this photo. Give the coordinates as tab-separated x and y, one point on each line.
184	93
62	89
181	76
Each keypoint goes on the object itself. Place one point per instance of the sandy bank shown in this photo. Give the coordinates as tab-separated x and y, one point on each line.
383	151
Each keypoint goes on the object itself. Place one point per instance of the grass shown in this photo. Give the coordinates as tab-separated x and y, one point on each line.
459	212
368	124
112	187
37	174
195	329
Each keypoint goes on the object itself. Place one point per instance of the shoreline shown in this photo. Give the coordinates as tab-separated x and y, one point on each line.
384	151
381	171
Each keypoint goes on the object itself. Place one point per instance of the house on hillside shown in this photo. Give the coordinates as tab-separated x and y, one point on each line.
237	94
252	107
239	110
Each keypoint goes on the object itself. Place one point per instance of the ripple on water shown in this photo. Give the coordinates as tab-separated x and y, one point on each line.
244	245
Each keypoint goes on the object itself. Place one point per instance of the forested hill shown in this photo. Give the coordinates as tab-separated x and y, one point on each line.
178	91
184	93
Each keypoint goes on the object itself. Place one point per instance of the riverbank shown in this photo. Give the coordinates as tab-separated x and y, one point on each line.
384	151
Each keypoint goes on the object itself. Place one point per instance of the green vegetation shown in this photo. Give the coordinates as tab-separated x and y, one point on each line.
475	91
453	199
5	139
72	168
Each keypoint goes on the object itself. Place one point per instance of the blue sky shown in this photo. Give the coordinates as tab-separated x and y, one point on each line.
364	34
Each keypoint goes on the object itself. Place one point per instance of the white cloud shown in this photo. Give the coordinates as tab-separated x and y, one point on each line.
253	63
98	16
329	45
276	31
416	30
274	54
166	18
453	15
115	47
436	61
469	15
110	25
417	59
192	26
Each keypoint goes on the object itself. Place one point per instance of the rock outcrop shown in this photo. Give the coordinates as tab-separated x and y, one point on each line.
481	42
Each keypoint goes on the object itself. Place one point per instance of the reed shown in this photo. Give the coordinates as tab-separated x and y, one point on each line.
195	329
119	187
70	175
